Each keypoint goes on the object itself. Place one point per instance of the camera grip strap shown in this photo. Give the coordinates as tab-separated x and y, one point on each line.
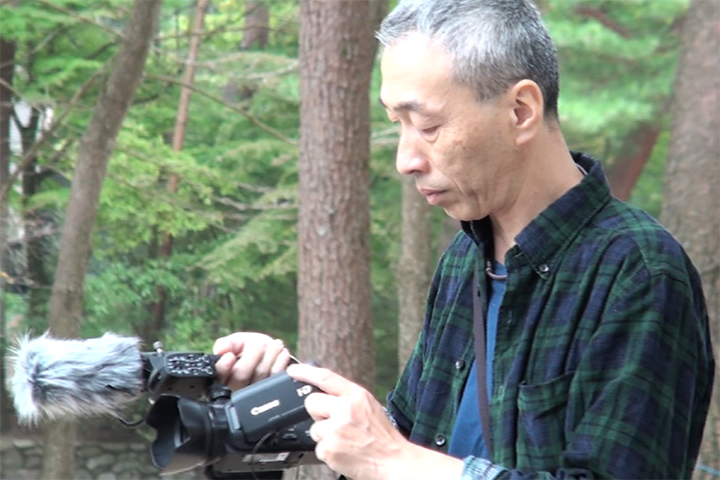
481	362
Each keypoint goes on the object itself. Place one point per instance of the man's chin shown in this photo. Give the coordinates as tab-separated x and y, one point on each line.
461	216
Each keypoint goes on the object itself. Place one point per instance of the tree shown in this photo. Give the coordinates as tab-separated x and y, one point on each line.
257	17
7	68
691	202
96	145
414	268
634	154
617	60
156	325
33	223
337	52
255	35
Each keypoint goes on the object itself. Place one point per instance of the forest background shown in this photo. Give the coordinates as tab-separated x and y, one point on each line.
199	222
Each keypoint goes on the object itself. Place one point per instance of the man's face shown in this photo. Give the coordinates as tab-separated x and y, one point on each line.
460	151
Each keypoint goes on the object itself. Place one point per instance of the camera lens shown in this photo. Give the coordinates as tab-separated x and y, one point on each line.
183	428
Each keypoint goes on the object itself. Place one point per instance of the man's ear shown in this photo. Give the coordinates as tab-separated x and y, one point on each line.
528	109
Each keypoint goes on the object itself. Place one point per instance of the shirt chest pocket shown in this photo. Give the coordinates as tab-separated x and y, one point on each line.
541	423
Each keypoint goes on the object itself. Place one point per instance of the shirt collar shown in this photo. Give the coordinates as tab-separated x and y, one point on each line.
551	231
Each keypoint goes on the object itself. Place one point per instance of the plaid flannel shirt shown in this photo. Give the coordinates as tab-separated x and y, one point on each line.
603	365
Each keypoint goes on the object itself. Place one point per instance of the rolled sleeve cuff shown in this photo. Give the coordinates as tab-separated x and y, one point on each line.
480	469
391	418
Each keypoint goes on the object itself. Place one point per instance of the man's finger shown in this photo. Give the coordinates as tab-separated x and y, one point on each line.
320	406
264	367
281	362
223	366
244	368
316	431
232	343
324	379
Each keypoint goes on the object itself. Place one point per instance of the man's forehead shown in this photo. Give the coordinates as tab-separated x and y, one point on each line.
409	68
411	47
403	105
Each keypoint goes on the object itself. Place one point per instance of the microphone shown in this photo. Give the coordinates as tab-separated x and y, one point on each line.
55	379
259	430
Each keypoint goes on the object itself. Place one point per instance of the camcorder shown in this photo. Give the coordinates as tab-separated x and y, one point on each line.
254	433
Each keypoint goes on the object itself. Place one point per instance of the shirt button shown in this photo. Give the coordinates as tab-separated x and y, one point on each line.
459	365
440	440
544	268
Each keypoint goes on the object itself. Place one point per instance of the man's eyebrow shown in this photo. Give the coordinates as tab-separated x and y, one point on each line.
407	106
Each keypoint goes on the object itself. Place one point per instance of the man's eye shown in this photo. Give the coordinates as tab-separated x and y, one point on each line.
430	130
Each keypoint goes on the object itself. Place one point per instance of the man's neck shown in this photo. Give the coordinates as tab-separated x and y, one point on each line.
547	173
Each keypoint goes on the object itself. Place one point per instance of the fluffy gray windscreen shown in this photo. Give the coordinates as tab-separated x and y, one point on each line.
55	379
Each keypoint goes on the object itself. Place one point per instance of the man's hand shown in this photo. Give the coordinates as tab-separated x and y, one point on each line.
248	357
355	438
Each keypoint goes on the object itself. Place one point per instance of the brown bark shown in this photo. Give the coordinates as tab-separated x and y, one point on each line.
257	25
604	19
691	200
337	52
96	145
414	268
624	173
448	230
7	69
177	143
255	34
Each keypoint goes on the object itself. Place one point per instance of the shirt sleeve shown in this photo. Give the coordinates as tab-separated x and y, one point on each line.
480	469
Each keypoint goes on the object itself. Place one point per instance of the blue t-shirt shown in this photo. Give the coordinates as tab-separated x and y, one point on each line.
467	436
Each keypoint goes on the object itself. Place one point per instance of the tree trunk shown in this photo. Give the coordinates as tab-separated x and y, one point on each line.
7	69
96	145
255	34
38	280
624	173
414	269
158	322
691	200
448	230
337	52
257	20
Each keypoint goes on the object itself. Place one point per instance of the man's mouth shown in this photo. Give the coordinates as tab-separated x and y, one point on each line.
433	196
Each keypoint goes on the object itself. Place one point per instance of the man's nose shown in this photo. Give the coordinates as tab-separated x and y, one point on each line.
410	156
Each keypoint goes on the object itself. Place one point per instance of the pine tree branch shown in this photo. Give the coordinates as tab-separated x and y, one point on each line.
220	101
14	90
30	155
53	6
602	17
90	21
244	207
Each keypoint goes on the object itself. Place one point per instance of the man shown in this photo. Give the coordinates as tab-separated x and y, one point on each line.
598	360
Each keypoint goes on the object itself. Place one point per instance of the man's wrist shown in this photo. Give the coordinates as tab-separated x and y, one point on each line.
413	462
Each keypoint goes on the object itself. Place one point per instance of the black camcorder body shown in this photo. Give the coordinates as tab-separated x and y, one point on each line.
256	432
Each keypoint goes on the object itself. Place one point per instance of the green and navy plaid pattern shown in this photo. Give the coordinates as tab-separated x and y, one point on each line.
603	365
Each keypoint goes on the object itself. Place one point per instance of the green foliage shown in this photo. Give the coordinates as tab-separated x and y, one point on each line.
613	78
617	62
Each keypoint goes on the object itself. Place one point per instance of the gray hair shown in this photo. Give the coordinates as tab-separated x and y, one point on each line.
493	43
